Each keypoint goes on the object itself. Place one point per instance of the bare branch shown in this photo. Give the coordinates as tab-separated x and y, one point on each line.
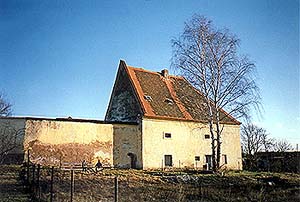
5	106
208	58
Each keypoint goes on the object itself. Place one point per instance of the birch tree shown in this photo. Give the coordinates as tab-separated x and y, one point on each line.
208	57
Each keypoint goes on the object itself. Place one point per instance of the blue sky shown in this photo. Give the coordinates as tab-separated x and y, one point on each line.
59	58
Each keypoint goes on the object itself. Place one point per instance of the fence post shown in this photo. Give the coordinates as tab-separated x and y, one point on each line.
200	191
116	189
32	181
51	185
72	184
28	167
38	182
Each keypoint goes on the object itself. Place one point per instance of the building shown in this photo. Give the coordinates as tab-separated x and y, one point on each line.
288	161
153	120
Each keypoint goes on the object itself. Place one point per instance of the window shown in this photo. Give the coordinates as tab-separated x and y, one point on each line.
168	135
224	159
169	101
208	161
148	98
168	160
206	136
197	158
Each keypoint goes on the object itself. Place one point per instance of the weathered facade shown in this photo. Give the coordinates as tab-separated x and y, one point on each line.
172	119
56	141
153	120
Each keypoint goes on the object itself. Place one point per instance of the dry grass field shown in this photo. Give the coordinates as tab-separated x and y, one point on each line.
136	185
11	188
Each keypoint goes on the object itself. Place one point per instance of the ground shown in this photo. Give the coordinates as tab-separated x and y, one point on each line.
11	188
136	185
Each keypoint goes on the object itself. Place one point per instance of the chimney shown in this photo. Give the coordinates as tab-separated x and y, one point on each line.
165	73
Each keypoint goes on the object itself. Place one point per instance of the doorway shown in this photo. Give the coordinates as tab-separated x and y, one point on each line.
133	160
208	161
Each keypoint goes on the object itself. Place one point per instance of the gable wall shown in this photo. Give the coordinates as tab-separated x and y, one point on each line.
123	106
187	141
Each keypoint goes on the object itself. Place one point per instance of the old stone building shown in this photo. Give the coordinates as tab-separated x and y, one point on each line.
153	120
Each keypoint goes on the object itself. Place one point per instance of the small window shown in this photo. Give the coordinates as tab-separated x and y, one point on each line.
168	160
197	158
168	135
224	158
206	136
148	98
169	101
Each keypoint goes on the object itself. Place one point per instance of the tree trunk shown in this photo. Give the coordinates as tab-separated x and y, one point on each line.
218	140
213	146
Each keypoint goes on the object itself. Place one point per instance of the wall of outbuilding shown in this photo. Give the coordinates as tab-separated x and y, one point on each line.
52	142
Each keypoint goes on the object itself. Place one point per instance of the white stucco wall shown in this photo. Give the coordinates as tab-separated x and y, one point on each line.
187	141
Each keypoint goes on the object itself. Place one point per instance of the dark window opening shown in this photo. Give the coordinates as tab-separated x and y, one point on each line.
168	135
133	160
169	101
208	161
168	160
197	158
207	136
224	158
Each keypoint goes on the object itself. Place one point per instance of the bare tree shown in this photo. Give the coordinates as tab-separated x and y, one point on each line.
209	59
5	107
8	135
10	139
282	146
255	139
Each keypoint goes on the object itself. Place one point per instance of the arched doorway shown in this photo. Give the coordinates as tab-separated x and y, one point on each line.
133	160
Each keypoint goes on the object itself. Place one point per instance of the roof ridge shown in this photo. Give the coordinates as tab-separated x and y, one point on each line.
152	72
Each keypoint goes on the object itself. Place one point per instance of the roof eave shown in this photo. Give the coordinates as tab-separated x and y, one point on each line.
188	120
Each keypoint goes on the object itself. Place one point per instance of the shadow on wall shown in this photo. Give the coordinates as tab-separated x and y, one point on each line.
56	154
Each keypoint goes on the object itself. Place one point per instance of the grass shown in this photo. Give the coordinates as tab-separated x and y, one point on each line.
135	185
155	185
11	188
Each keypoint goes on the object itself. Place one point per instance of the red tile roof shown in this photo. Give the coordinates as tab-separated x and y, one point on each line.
171	97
